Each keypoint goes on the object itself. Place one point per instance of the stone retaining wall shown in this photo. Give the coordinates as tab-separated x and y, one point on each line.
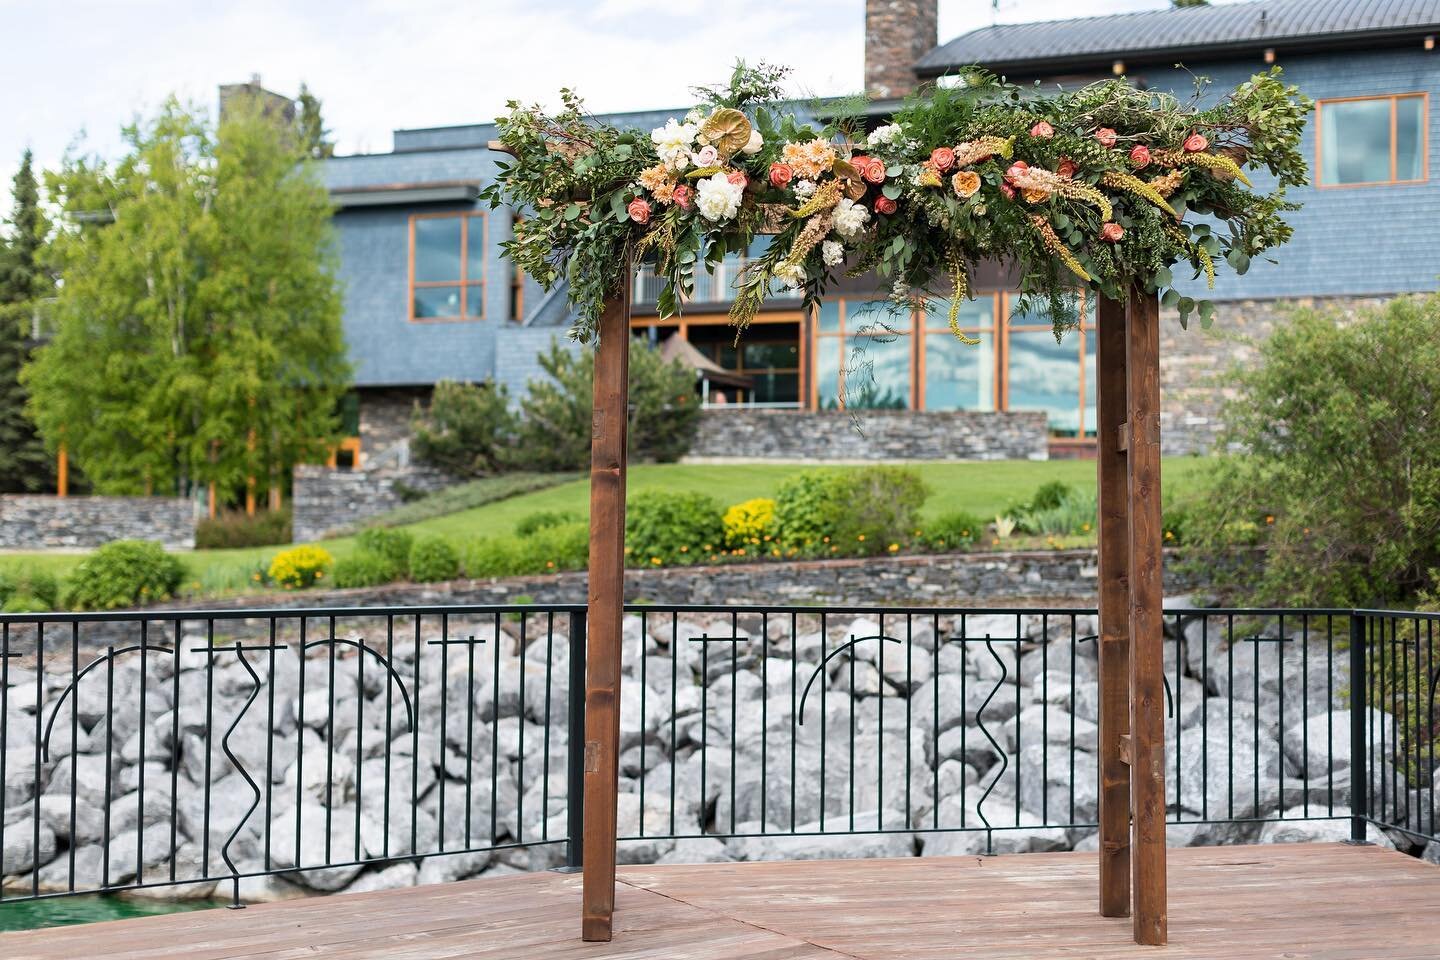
327	500
881	435
35	522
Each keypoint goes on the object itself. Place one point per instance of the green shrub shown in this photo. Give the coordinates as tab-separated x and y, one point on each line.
1050	495
123	573
300	567
858	512
468	430
548	550
952	531
34	586
433	559
663	528
1074	514
1339	481
233	529
26	603
393	546
365	569
544	519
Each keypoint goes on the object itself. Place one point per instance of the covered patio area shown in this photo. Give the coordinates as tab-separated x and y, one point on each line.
1329	901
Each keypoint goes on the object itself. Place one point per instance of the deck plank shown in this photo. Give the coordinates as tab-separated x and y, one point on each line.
1298	902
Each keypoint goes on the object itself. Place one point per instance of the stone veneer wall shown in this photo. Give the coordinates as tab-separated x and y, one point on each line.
881	435
326	500
34	522
1194	363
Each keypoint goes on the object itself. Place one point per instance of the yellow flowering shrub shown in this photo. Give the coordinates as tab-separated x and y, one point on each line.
750	522
300	567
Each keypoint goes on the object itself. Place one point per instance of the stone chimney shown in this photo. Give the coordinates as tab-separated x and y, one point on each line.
897	34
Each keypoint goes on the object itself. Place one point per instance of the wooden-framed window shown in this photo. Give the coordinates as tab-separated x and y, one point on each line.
447	266
951	375
1372	141
864	356
1039	374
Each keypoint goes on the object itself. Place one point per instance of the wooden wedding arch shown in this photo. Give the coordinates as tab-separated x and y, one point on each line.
1132	719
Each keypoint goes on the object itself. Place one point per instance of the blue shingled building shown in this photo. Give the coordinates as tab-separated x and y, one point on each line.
428	296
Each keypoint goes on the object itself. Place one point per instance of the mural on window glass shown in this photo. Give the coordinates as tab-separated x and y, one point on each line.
1045	375
1377	140
863	355
447	267
960	376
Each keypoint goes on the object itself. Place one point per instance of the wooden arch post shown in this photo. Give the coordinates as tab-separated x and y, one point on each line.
1132	696
608	428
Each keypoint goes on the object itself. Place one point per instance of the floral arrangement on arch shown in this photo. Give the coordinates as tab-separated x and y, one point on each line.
1095	190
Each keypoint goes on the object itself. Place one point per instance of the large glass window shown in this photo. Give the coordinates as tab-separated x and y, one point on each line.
447	266
1057	378
959	376
863	351
1375	140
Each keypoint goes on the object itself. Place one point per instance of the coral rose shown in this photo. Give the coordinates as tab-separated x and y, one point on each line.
1106	136
874	171
1111	231
1042	131
1008	190
738	179
1195	143
966	182
884	205
780	175
682	196
1017	169
639	211
1067	168
942	158
1140	156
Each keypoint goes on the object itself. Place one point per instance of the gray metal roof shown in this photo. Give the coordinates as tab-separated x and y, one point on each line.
1173	33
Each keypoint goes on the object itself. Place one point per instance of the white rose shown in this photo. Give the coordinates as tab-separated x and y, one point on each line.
672	144
717	198
832	252
753	145
804	189
850	218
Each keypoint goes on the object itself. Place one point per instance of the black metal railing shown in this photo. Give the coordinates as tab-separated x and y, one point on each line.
216	749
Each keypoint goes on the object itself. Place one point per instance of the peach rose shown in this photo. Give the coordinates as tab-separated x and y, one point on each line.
1042	131
1067	168
737	178
1195	143
1106	136
1017	169
639	211
1140	156
874	171
942	158
681	197
966	182
1111	231
1035	194
780	175
884	205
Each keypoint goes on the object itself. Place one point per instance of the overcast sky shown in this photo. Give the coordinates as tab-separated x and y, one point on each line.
73	66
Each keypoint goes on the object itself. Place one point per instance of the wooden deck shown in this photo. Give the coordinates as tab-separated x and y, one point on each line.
1300	902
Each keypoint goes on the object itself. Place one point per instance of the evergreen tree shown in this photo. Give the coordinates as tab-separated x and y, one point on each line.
198	332
311	127
24	464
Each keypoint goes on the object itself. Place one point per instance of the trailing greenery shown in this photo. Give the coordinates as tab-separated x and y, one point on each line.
25	466
467	430
233	528
197	329
433	559
669	529
123	573
1339	481
1087	188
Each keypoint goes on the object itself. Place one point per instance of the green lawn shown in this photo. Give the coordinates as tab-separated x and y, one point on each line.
980	488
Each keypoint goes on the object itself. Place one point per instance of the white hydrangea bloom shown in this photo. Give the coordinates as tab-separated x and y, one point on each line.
672	144
850	218
884	136
717	198
790	274
804	189
753	145
832	252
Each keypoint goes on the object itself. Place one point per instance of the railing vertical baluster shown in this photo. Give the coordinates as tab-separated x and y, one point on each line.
1359	755
109	740
575	745
5	740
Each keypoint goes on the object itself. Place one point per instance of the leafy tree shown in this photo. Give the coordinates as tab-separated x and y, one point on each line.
310	126
1339	481
468	429
24	464
198	326
1181	4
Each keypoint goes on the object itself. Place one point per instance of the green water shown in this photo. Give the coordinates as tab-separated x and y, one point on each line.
90	908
